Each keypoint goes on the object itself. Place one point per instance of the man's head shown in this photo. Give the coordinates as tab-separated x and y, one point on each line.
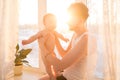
78	13
49	20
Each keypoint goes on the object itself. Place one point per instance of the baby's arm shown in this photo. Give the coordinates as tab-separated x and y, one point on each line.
61	37
32	38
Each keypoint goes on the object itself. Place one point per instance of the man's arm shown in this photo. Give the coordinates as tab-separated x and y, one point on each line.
79	51
60	49
61	37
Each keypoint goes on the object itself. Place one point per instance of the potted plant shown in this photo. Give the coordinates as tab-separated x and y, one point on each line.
20	56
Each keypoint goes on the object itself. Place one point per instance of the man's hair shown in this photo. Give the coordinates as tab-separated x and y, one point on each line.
78	10
47	16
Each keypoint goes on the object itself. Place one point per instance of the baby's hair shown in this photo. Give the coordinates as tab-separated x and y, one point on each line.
47	16
78	10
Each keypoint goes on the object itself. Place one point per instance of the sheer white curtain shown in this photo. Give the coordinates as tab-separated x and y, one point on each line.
111	29
104	22
95	49
8	36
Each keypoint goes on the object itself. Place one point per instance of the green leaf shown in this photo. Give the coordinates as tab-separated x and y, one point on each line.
18	64
18	61
21	51
17	48
28	64
25	52
22	56
25	61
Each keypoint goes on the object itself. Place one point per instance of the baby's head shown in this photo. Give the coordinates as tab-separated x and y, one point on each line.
49	20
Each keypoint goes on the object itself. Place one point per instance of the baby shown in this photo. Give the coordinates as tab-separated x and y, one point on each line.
49	21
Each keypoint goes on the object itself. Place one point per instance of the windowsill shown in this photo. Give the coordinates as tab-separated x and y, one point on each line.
29	73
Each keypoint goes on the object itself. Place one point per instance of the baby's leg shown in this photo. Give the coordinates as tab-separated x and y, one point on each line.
50	73
48	69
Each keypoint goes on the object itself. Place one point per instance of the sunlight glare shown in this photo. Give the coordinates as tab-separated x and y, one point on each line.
28	14
59	9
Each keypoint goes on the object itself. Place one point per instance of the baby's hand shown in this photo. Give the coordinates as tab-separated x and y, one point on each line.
24	42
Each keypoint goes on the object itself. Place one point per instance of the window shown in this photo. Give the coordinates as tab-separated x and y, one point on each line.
28	20
58	8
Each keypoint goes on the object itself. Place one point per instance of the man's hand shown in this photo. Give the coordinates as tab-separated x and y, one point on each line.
66	39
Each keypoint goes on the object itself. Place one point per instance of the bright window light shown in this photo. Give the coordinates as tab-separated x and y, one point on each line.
28	12
59	8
